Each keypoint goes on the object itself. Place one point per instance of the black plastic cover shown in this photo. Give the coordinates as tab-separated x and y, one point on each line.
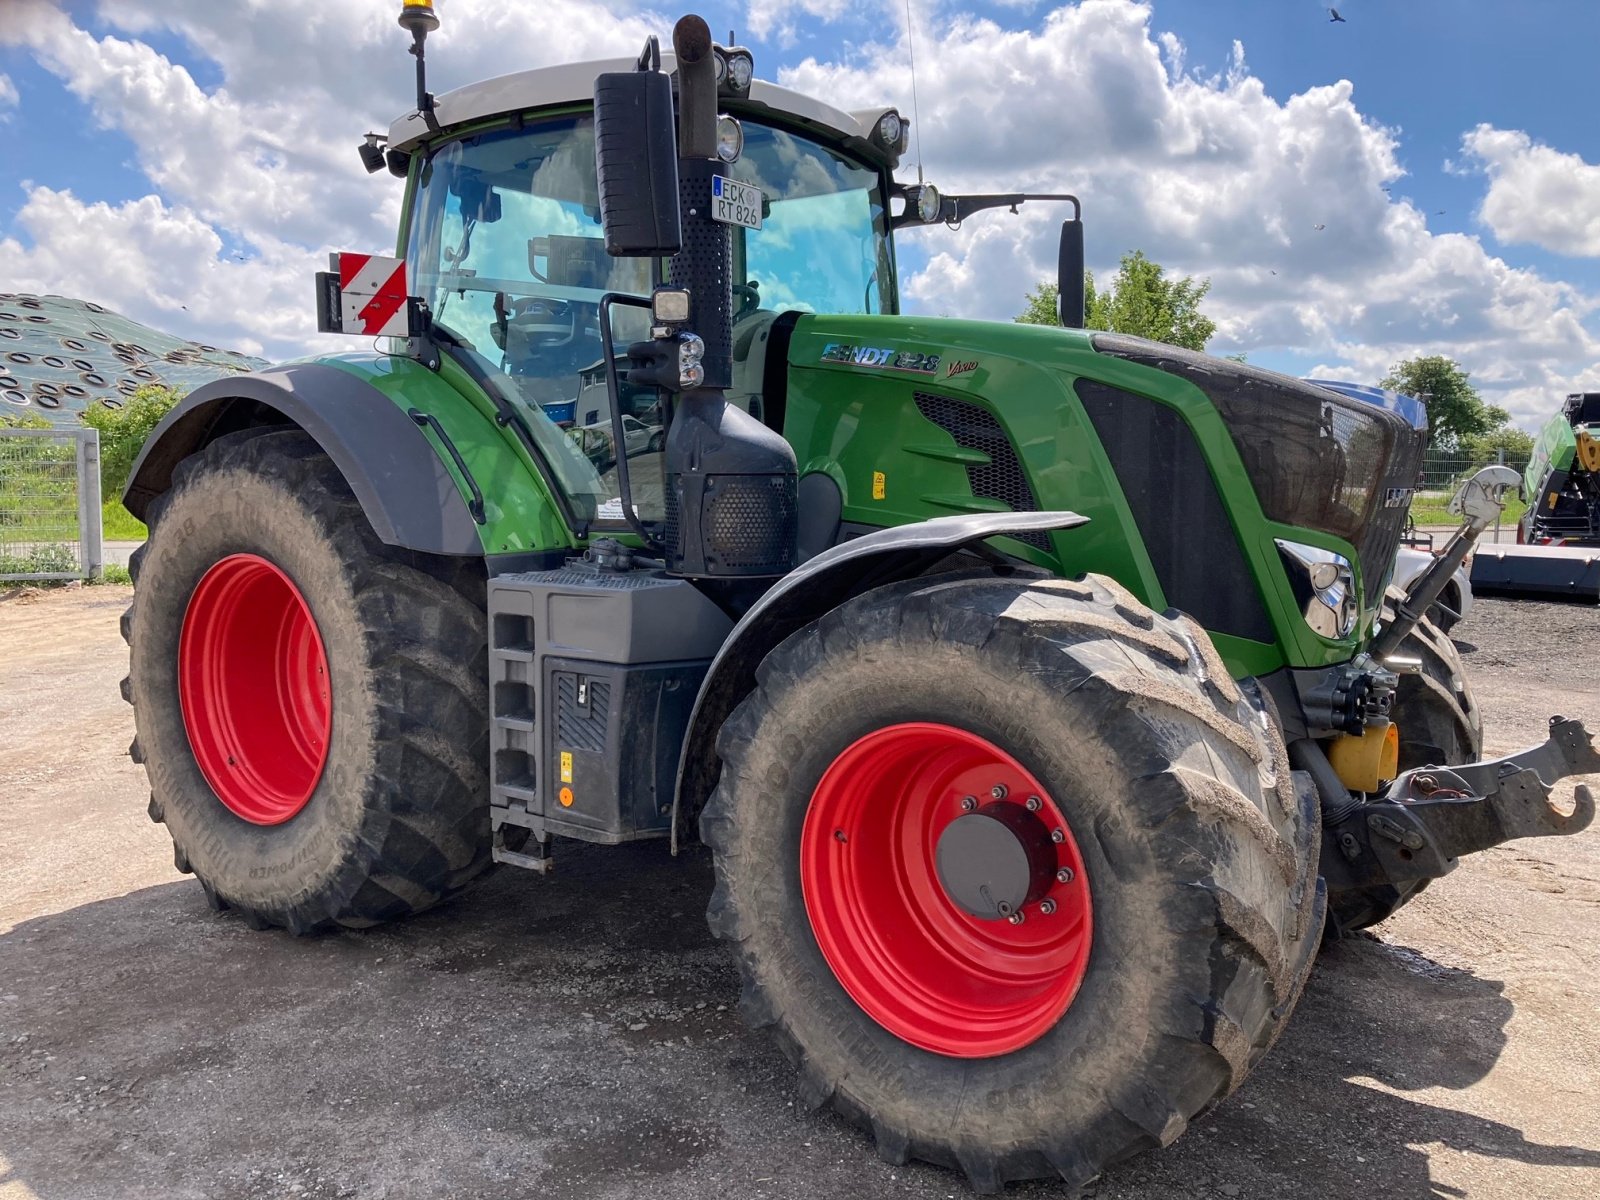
1318	460
1179	511
636	158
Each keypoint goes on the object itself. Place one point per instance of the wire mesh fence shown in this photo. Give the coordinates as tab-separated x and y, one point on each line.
49	504
1442	473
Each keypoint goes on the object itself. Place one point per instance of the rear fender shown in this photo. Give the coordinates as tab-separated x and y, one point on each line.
800	597
407	493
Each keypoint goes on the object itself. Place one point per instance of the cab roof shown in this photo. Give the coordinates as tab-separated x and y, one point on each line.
573	83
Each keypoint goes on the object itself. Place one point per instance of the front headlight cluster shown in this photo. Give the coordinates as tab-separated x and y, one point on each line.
1325	586
691	371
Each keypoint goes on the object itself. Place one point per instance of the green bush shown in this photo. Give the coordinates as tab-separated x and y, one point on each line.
123	432
40	560
23	421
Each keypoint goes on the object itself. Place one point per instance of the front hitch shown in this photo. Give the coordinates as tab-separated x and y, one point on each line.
1430	816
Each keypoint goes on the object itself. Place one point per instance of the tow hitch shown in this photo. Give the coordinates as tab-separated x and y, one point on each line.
1422	824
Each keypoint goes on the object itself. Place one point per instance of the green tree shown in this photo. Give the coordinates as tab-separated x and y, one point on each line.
123	432
1455	410
1141	300
1485	448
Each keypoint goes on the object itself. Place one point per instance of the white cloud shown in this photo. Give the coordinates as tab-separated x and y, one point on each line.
167	267
767	18
1537	194
1280	202
8	92
1210	175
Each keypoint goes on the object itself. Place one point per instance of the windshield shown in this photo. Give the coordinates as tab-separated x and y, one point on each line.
506	247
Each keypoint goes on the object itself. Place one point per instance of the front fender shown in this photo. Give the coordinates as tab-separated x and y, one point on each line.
405	490
820	585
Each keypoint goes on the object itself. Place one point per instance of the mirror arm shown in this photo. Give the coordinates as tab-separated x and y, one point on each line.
955	209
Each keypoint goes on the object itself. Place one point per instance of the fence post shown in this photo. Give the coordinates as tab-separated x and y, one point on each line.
89	510
1500	458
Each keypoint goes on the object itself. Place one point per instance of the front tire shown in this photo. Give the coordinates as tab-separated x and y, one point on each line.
1176	948
310	704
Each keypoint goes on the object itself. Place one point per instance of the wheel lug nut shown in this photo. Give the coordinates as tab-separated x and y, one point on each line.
1034	804
998	791
1064	875
1015	918
1047	906
1057	836
968	803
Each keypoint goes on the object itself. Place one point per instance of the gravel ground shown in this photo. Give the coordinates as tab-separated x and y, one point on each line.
575	1036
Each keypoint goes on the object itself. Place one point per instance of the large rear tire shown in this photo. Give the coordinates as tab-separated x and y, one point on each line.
310	704
1186	903
1441	726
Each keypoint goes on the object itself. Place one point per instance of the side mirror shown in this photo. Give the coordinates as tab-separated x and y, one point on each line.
1069	275
636	157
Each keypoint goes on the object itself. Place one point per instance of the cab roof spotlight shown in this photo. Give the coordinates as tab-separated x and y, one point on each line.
371	151
889	130
741	69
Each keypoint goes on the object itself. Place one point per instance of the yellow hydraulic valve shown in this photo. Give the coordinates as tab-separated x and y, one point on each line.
1589	448
1365	763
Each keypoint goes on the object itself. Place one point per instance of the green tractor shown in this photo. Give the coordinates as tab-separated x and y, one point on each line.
1036	691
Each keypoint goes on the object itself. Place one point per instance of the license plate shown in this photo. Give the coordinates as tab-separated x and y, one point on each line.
735	203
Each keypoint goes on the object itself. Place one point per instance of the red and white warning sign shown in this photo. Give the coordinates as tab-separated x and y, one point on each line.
365	294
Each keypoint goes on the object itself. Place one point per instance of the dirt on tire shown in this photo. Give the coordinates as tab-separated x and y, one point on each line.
396	818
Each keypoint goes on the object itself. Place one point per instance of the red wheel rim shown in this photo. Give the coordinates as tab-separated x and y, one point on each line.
253	685
917	962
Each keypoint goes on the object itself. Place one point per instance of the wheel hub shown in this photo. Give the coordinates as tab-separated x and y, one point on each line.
961	929
995	861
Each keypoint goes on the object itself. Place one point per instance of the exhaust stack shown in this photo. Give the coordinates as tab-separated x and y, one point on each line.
731	482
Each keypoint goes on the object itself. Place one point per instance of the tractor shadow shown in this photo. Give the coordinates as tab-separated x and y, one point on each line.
576	1036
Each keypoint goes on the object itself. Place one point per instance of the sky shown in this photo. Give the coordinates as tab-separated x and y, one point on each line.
1420	178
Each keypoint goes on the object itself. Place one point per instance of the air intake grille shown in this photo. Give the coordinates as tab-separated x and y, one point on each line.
1002	477
750	521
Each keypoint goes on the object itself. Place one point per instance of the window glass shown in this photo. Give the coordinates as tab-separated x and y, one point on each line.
508	251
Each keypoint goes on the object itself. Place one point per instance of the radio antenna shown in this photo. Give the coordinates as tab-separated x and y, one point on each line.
916	115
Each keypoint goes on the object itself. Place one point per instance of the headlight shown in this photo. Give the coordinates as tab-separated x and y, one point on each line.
741	69
889	129
730	139
928	203
1325	585
691	349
